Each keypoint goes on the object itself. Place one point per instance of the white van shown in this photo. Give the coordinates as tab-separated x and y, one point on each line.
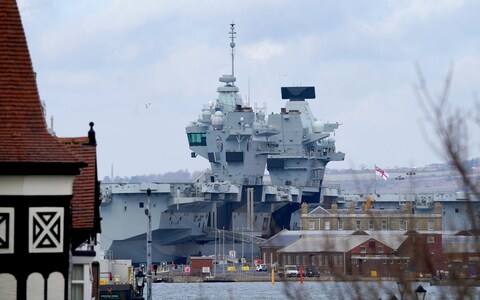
291	271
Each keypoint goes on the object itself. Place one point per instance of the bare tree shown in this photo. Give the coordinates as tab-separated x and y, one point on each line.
451	126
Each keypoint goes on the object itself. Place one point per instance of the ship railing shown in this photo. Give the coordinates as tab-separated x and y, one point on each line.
239	236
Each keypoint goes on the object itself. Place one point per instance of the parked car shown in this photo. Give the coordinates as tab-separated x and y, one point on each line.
261	268
311	271
291	271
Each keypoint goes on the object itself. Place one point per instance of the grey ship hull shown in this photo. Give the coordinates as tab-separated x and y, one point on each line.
184	224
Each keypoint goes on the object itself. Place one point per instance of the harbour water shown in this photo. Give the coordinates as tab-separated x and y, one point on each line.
305	290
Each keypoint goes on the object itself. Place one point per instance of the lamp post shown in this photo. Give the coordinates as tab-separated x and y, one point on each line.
149	246
139	284
420	292
411	173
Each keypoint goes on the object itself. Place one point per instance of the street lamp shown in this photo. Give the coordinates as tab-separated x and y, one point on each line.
139	283
149	247
401	288
420	292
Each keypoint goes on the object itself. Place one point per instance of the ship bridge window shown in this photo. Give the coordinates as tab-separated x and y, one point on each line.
141	205
197	139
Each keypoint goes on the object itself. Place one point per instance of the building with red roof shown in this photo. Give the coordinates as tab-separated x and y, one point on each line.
49	192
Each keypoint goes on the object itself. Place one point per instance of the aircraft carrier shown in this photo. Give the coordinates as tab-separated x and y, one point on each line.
261	168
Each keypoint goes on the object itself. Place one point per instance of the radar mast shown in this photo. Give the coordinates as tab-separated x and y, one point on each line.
232	45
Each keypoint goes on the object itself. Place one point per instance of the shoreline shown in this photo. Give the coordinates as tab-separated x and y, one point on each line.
233	279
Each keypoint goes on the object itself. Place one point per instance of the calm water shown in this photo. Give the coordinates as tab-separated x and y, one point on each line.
297	290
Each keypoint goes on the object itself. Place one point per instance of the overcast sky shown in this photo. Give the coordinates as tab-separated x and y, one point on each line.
142	70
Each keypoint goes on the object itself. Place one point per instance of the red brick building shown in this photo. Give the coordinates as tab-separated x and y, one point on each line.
200	264
462	255
359	253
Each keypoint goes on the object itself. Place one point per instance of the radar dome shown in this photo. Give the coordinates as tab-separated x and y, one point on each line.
318	126
331	140
217	120
206	114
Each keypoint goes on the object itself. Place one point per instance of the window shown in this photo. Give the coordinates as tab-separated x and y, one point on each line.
312	260
141	205
357	225
289	259
77	282
363	249
456	210
320	260
304	260
231	156
430	225
327	225
326	261
380	249
337	261
340	224
371	225
403	225
311	225
340	261
384	261
430	239
297	259
197	139
384	225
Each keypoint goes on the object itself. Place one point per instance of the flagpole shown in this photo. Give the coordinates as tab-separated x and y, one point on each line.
375	179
